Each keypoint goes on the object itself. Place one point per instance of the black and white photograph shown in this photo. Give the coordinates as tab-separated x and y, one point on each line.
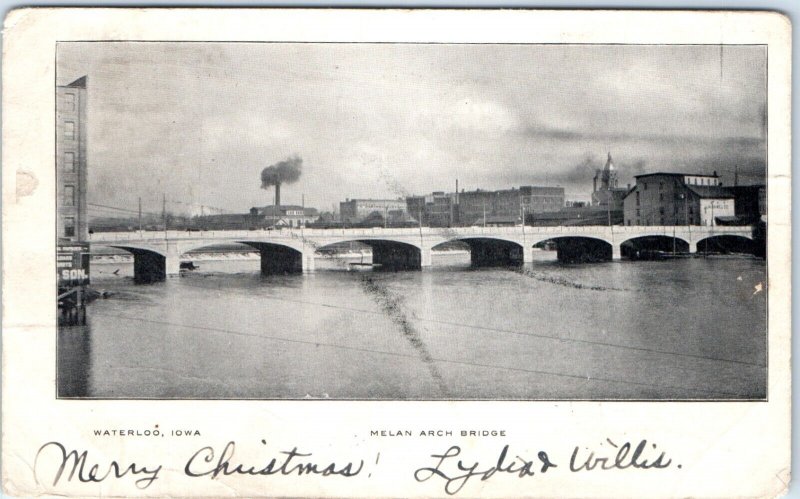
411	221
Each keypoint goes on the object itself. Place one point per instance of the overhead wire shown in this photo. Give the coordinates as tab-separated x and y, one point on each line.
398	354
498	330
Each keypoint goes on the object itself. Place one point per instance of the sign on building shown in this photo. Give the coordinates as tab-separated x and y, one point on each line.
72	264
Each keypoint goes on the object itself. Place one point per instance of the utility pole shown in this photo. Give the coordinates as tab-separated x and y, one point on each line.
484	213
673	240
140	213
686	208
451	211
303	218
164	214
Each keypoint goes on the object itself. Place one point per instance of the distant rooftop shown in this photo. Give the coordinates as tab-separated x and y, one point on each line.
347	200
673	174
711	191
282	209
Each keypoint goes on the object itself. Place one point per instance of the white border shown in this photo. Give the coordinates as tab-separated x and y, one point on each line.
726	448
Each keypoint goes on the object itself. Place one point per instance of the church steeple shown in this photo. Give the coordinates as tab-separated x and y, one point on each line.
609	163
608	179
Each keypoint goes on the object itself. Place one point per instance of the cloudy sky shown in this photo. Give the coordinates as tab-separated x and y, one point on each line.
199	121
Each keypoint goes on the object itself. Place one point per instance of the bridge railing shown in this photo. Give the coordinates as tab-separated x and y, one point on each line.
296	233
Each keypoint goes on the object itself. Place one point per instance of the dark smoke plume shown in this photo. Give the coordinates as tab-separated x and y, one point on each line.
286	171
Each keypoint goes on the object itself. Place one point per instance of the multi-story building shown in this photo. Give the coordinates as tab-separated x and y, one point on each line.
71	177
473	206
677	199
433	210
357	210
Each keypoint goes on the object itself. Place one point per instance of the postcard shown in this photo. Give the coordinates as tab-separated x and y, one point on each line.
379	253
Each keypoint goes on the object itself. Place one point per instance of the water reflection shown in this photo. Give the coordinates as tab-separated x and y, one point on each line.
74	361
682	329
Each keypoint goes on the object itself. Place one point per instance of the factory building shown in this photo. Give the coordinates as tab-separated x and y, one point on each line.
507	206
679	199
358	210
433	210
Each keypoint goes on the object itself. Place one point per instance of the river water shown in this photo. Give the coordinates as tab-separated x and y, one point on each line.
682	329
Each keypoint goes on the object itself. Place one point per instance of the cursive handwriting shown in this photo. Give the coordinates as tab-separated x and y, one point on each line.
621	459
462	473
75	462
203	463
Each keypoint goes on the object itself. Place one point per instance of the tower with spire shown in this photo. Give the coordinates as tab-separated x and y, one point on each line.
608	176
606	186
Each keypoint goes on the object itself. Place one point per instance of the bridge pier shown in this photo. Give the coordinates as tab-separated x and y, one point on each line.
616	252
527	254
172	262
148	266
692	247
309	264
426	257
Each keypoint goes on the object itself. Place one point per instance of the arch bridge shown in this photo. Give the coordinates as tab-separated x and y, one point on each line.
157	253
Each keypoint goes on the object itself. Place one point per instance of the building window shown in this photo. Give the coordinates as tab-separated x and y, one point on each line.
638	213
69	226
69	130
69	195
69	162
637	198
661	186
69	102
661	196
661	211
644	185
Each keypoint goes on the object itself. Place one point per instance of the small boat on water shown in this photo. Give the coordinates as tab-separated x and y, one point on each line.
363	265
188	266
659	255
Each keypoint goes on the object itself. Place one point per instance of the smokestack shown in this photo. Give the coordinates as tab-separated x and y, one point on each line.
286	171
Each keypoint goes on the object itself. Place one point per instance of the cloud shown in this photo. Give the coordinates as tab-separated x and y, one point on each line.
200	121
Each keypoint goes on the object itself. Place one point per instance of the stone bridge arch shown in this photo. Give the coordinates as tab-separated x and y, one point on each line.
389	254
728	243
279	257
581	248
492	251
650	246
149	264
